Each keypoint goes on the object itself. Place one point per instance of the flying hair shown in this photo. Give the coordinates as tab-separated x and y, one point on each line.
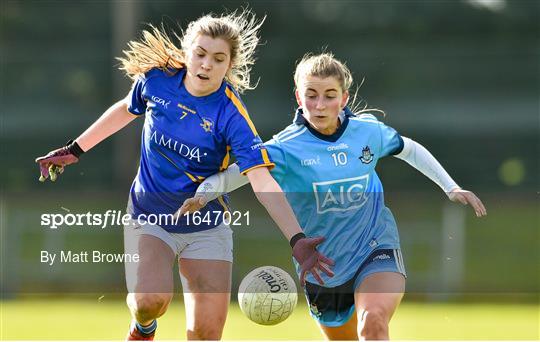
156	48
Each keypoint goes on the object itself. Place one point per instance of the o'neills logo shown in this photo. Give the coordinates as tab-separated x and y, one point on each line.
275	284
178	147
341	146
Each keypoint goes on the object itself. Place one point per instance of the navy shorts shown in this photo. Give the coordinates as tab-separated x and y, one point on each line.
334	306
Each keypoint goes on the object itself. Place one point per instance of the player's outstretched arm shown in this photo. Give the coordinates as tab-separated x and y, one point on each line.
213	187
264	186
114	119
304	249
271	196
420	158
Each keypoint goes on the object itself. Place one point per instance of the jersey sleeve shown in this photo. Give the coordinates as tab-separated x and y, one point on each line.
134	100
391	141
277	154
241	135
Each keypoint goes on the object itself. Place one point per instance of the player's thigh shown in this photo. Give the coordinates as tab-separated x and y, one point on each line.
205	270
207	287
153	271
346	332
206	261
379	294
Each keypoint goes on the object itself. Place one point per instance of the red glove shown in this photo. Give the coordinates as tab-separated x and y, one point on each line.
304	250
53	163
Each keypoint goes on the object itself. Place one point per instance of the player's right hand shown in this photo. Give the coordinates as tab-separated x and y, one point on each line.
306	254
53	163
191	205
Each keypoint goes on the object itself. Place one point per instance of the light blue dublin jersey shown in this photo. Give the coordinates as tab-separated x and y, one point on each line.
331	184
184	140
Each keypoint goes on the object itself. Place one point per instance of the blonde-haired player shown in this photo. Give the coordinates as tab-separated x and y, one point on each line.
325	163
194	117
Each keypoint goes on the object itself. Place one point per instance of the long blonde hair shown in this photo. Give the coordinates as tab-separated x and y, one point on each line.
157	50
326	65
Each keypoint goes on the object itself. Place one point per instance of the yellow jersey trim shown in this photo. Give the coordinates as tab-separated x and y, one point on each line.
222	202
193	179
135	115
270	166
266	159
240	107
226	159
169	159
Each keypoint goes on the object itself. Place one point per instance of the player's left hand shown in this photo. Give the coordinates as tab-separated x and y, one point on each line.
191	205
310	260
468	197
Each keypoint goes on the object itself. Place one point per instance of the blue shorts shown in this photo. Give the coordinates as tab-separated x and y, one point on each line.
334	306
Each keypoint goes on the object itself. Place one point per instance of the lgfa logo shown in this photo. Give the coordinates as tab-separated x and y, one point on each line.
341	194
160	101
311	161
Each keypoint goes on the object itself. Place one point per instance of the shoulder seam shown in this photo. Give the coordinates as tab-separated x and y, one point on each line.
240	108
287	131
292	136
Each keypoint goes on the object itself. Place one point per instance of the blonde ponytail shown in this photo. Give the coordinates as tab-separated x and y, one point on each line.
154	50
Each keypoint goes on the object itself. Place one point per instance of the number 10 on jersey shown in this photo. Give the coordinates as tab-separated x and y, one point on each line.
340	158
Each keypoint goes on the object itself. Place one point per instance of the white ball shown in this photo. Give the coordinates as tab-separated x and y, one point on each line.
267	295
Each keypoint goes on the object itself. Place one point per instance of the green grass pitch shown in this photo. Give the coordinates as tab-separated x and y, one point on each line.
108	318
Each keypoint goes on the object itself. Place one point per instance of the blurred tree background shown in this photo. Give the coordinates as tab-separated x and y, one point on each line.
461	77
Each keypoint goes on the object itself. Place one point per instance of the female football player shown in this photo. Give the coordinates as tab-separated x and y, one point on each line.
325	163
193	118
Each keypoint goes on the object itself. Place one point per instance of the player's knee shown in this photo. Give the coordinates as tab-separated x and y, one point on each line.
148	306
373	324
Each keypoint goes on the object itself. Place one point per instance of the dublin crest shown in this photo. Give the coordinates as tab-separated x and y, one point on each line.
367	156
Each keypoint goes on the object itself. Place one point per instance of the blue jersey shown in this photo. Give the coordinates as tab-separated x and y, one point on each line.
184	140
333	189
